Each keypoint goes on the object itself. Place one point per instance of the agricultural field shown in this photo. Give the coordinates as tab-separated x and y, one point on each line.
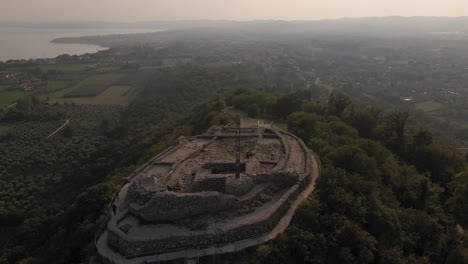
65	67
60	93
56	85
114	95
3	87
10	97
429	106
107	68
94	85
34	130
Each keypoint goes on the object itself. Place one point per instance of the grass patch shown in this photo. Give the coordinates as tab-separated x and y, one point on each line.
115	95
10	97
94	85
429	106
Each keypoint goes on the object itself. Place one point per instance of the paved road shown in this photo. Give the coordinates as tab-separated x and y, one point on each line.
58	129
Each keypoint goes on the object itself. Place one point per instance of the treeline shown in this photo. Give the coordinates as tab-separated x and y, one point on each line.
386	193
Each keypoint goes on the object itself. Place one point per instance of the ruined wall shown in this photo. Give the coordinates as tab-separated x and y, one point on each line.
280	179
239	186
140	248
170	206
212	184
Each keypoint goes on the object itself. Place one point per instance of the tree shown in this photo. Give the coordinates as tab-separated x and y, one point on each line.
253	110
337	103
303	124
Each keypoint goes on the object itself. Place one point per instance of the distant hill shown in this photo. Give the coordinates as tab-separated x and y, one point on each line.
399	25
426	27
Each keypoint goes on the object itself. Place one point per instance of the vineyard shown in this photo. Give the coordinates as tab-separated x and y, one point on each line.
37	173
33	130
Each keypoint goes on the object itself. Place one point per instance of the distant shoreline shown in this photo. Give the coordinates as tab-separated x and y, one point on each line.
21	43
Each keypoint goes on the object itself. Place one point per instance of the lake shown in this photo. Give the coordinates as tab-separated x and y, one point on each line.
32	43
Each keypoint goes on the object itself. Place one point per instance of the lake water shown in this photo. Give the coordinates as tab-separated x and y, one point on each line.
27	43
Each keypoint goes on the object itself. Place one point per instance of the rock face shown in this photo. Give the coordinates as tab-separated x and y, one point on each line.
190	197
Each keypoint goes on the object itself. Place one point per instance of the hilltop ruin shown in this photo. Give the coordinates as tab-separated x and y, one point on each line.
225	190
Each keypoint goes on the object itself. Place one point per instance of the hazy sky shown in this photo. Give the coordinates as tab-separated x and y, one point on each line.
144	10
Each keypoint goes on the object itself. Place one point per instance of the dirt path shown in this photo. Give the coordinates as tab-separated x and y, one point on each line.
296	161
58	129
10	106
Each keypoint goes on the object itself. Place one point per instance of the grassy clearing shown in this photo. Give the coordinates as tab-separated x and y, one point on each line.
115	95
429	106
10	97
94	85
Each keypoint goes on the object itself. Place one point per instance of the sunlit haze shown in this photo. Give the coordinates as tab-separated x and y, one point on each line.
145	10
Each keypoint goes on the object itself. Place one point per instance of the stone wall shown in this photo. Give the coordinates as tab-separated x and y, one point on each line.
141	248
280	179
212	184
171	206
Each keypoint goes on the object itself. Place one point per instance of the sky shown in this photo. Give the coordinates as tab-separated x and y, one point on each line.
150	10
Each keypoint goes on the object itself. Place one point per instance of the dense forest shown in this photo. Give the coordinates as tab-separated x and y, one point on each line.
386	194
